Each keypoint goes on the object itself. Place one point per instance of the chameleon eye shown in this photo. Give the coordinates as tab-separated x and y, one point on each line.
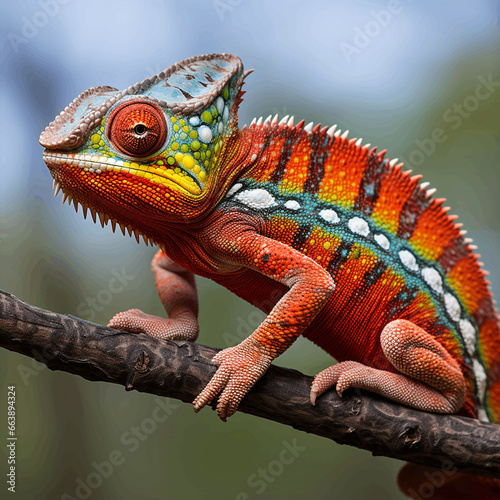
137	128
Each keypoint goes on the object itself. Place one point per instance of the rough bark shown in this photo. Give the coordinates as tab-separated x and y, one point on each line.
179	369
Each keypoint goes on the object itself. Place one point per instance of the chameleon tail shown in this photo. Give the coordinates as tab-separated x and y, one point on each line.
421	482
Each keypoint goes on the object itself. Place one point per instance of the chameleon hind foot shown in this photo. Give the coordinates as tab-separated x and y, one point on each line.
429	379
136	321
177	291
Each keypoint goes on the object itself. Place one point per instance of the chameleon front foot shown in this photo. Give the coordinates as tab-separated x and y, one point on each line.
182	327
239	368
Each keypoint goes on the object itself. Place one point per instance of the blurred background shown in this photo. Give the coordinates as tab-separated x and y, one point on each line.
418	78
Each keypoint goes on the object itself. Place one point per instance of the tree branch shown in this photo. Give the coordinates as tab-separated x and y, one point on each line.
179	369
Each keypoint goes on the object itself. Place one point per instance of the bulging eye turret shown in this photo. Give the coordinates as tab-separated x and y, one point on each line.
137	128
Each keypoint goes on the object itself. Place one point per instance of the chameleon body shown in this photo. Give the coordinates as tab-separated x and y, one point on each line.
328	237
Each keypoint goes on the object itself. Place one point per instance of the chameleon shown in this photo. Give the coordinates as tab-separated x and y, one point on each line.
327	236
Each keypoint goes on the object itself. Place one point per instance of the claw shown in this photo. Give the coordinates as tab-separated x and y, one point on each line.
239	368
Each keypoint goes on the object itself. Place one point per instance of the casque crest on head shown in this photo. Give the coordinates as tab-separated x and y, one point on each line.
177	117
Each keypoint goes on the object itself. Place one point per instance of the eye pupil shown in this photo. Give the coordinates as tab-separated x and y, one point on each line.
140	129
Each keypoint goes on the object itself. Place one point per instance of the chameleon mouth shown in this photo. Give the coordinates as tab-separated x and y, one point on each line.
104	219
160	174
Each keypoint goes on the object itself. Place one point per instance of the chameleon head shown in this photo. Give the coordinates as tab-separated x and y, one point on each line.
149	152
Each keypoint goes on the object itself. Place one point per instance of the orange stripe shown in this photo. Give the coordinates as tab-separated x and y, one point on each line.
283	229
343	173
394	192
466	278
489	346
297	167
428	241
321	246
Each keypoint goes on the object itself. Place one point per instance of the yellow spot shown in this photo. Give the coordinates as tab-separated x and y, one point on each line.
176	127
101	143
185	129
196	169
95	138
202	176
134	165
175	146
173	119
194	135
188	161
312	242
327	245
206	116
182	122
178	157
184	148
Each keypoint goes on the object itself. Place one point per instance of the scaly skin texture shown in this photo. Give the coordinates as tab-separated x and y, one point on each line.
330	239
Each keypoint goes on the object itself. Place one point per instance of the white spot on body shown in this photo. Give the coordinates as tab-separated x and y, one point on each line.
220	128
256	198
480	378
292	205
469	335
329	216
234	189
359	226
194	120
481	415
205	133
225	114
219	104
452	306
433	279
382	240
408	259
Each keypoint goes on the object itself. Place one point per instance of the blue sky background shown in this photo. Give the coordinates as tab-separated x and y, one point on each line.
391	72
